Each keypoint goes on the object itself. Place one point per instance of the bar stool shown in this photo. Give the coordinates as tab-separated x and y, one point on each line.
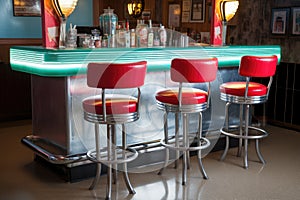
245	94
186	100
112	109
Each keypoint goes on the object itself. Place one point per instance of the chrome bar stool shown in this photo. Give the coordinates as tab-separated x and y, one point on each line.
245	94
183	101
112	109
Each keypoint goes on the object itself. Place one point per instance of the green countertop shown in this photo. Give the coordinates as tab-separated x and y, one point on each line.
67	62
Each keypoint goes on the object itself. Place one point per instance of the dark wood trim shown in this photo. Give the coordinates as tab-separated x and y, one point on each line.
6	43
96	12
158	11
165	12
21	41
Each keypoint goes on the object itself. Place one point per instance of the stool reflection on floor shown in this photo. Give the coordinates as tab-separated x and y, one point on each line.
186	100
245	94
112	109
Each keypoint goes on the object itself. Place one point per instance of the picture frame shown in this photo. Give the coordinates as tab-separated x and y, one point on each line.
185	17
197	12
174	15
279	21
295	21
186	8
27	8
186	5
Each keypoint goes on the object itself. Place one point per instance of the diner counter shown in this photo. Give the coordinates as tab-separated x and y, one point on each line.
68	62
60	134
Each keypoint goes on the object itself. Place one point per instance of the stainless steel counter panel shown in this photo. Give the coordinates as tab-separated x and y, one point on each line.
58	115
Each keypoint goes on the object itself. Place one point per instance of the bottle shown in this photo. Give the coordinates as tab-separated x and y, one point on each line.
142	34
162	36
137	30
96	38
150	34
132	38
120	39
127	35
171	42
156	41
104	41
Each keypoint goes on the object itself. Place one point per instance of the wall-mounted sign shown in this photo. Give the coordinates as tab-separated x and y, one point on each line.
279	20
174	15
296	21
197	10
27	7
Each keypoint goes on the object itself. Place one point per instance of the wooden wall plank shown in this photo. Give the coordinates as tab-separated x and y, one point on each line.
5	45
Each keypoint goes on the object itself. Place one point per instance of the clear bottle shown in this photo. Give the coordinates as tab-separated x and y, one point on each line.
127	35
156	41
137	30
141	34
96	38
120	36
132	38
104	41
150	34
162	36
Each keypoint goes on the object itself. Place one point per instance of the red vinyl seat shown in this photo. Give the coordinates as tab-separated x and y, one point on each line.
115	104
246	93
239	88
189	96
185	100
111	109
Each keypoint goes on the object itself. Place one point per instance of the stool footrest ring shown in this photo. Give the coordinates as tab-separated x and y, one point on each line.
122	156
172	144
253	132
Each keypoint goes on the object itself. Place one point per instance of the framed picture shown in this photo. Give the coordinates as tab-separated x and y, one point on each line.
174	15
296	21
27	8
197	11
186	5
279	21
185	16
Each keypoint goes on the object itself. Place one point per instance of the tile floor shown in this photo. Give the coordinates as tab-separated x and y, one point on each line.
21	178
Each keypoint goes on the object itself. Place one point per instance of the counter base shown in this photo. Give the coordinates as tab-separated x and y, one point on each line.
85	170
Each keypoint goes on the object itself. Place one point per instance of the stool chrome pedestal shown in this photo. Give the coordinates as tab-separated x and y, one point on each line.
113	109
243	133
184	101
246	94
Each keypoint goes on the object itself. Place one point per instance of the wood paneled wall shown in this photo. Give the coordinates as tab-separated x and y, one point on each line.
5	45
15	101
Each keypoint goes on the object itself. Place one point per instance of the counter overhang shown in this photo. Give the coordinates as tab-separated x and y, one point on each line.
68	62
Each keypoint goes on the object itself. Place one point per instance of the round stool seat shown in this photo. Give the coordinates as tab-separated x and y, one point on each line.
189	96
238	89
115	104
